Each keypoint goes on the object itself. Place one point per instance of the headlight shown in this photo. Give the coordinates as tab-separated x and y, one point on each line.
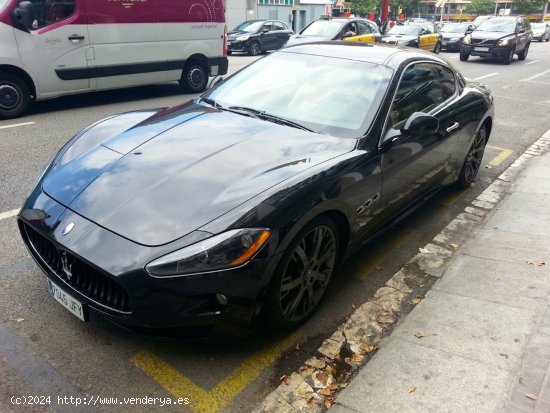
228	250
505	41
467	39
242	38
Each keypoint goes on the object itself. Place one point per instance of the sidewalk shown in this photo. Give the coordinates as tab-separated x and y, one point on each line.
480	340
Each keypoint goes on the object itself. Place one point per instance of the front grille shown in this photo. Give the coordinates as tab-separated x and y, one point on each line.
481	42
83	278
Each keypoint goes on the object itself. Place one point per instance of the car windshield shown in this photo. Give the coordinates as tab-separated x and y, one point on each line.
409	29
540	26
325	28
454	28
498	25
328	95
250	27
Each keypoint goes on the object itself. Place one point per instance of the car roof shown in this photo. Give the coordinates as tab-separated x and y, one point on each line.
382	54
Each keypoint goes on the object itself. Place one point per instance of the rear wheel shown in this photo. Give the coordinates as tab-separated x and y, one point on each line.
15	96
471	164
464	56
254	49
303	274
194	77
523	55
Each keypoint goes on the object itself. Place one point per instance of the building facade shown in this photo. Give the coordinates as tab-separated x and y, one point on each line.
457	10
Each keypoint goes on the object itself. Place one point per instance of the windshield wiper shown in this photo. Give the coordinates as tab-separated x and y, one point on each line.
243	110
260	114
211	102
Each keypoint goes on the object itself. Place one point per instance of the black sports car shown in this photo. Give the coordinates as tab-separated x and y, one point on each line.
242	202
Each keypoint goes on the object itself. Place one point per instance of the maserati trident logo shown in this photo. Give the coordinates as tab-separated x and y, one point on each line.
68	229
66	265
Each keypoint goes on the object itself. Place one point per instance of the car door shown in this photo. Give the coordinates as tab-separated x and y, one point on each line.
363	34
428	38
57	51
281	34
267	36
413	164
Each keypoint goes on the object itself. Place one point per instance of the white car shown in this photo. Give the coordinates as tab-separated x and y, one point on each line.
541	31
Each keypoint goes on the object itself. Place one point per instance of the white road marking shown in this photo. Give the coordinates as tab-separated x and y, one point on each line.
535	76
530	63
484	76
15	125
8	214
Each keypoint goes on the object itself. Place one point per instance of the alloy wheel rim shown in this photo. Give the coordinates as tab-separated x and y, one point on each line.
308	273
9	96
255	49
196	77
474	157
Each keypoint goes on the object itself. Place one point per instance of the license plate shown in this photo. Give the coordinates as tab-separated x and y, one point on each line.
66	300
482	49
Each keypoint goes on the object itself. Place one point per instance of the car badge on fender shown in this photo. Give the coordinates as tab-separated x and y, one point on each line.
68	229
66	266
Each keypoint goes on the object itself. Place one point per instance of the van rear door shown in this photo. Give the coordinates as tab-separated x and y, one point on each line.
56	52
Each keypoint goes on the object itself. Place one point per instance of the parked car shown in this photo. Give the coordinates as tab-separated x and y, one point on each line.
499	37
352	30
258	36
541	31
241	203
55	48
423	36
452	35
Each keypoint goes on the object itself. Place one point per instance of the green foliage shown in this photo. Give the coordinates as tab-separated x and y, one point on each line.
526	6
362	7
481	7
408	6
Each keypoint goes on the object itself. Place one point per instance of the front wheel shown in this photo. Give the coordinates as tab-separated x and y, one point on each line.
471	164
15	96
508	59
464	56
194	77
303	274
523	55
254	49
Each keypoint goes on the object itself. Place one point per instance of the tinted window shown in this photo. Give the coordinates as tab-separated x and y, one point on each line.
51	11
278	26
447	82
268	26
328	28
363	28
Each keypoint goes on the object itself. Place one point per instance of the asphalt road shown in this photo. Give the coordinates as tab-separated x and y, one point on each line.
45	351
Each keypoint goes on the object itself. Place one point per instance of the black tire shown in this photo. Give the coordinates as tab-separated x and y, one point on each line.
437	48
464	56
472	162
254	48
548	38
194	77
523	55
508	59
15	96
302	276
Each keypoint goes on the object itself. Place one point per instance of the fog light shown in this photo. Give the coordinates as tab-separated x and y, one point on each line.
222	299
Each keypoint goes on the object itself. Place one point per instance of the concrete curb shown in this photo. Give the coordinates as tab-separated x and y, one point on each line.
315	386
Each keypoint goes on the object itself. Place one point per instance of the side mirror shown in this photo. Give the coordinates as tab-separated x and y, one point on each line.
24	16
265	31
470	28
419	124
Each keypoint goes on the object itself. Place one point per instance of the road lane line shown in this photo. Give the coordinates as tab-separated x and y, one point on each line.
41	375
484	76
529	79
16	125
504	153
213	401
8	214
530	63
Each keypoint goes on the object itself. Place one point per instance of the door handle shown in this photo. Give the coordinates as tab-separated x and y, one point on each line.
76	38
453	127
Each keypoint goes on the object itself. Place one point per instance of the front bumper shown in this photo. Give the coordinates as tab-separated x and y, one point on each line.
496	52
450	44
237	46
107	276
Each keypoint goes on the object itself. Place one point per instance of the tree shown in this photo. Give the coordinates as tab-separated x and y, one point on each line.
481	6
362	7
408	6
526	6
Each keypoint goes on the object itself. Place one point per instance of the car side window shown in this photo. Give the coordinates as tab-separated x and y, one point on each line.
278	26
419	90
351	27
267	26
363	28
51	11
447	82
373	27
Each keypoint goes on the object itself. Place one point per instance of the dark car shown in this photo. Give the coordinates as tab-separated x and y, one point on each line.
258	36
452	35
241	203
421	35
500	38
354	29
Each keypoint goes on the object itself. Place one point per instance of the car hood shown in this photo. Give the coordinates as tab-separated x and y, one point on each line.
234	33
204	163
299	39
481	35
396	37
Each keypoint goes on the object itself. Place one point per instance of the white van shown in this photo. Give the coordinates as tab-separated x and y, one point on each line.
50	48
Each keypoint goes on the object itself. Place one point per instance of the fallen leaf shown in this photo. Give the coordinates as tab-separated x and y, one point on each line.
343	385
325	392
303	391
417	299
19	320
419	335
368	348
531	396
425	251
357	358
284	380
411	389
329	402
322	377
536	263
316	363
453	246
334	387
385	319
311	403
